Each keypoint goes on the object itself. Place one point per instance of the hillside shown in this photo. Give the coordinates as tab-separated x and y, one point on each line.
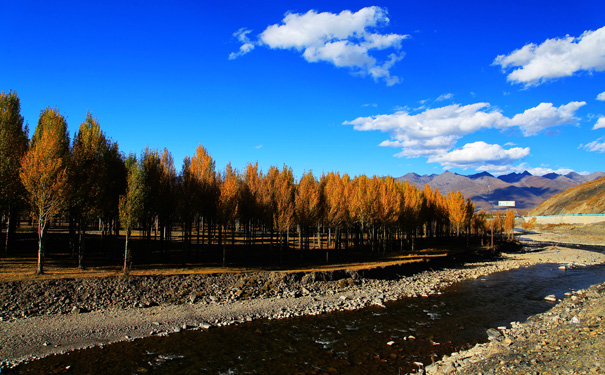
588	198
486	190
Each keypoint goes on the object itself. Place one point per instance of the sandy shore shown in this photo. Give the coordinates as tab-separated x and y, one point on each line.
36	337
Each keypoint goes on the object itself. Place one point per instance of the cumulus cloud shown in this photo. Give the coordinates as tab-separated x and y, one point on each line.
601	96
480	155
434	132
545	115
345	39
595	146
555	58
600	123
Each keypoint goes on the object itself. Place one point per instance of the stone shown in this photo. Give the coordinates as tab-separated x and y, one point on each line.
550	298
494	334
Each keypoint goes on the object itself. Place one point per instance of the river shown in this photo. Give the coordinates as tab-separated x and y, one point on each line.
376	340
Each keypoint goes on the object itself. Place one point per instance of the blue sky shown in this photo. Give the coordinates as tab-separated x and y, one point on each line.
381	87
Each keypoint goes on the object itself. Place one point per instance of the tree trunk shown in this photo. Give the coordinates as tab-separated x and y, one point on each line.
126	252
41	239
82	244
8	231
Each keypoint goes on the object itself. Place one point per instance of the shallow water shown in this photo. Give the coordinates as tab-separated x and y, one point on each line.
372	340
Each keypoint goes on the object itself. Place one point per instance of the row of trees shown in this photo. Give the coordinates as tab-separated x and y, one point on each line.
89	179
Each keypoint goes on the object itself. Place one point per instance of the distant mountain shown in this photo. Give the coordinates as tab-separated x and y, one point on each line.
511	178
587	198
485	190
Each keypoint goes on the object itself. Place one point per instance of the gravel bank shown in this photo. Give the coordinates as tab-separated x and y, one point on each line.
72	314
568	339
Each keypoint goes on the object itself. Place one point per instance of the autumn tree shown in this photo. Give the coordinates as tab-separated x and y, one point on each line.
456	208
479	224
390	198
267	200
167	198
114	183
250	207
13	145
228	203
87	177
336	206
44	172
283	216
131	203
412	205
203	172
495	225
529	225
307	204
160	178
509	223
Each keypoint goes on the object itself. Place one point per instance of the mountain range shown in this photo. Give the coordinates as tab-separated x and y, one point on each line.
486	190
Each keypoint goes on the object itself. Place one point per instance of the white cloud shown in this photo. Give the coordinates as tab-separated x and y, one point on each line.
601	96
435	131
545	115
442	97
595	146
600	123
247	46
480	155
555	58
344	40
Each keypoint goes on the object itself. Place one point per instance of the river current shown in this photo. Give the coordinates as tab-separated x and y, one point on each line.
374	340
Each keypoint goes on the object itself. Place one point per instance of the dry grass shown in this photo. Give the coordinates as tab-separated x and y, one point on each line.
20	268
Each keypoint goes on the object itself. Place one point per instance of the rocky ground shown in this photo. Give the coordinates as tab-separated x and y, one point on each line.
55	316
568	339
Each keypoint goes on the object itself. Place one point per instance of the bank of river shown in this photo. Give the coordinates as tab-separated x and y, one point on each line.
40	336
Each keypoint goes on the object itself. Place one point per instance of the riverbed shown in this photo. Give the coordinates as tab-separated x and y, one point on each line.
401	337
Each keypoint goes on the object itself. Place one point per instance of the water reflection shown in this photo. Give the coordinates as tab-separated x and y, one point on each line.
372	340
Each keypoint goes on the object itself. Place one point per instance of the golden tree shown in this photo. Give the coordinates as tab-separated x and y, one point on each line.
412	205
228	203
250	207
456	209
509	223
44	172
283	216
307	203
204	172
335	190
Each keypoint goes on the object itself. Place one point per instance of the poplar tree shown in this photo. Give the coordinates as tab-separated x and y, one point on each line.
228	203
307	203
131	204
411	209
13	145
509	223
204	174
87	177
456	209
44	172
283	216
250	208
